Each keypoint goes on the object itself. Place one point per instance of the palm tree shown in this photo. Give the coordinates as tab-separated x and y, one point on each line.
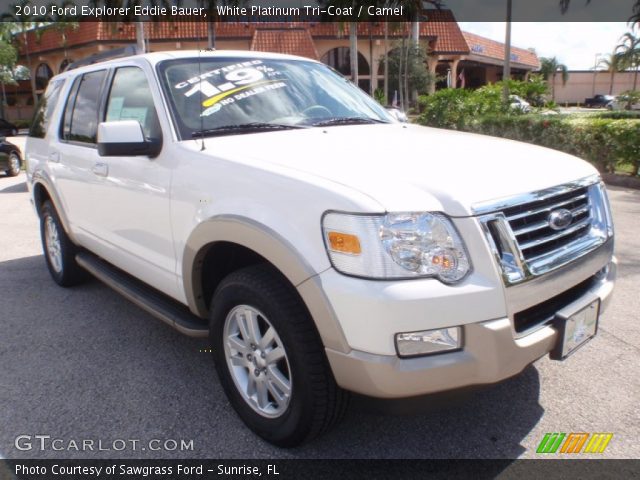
634	19
614	62
353	30
62	23
629	50
129	5
353	49
24	23
211	8
550	67
353	24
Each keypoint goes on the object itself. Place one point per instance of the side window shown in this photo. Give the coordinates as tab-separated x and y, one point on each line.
130	99
46	106
82	123
68	109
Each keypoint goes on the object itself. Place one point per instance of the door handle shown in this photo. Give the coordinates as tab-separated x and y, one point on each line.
101	169
54	157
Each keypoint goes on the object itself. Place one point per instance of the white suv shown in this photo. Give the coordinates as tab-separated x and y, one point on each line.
325	248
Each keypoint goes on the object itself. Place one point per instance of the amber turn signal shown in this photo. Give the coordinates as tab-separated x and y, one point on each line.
344	243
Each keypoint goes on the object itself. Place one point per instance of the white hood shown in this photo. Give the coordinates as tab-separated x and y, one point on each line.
410	168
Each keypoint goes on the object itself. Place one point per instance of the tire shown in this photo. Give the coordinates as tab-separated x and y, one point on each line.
315	403
14	165
59	250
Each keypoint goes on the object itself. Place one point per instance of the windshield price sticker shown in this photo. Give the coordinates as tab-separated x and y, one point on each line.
243	79
216	103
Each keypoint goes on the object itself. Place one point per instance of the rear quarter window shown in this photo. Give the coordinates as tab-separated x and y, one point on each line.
45	109
80	122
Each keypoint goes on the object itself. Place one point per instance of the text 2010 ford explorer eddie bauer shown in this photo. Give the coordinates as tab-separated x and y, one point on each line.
267	202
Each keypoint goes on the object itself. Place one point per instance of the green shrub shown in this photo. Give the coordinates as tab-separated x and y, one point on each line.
22	123
617	115
456	108
609	140
607	143
533	90
447	108
378	94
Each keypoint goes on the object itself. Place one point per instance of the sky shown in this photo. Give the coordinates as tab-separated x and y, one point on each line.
575	44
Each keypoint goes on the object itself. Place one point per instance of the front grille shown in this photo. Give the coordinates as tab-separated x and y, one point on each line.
520	235
530	225
545	312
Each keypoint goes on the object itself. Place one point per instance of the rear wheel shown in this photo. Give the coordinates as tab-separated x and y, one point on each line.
14	164
270	359
59	250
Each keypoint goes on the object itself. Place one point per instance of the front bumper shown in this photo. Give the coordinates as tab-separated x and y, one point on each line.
492	352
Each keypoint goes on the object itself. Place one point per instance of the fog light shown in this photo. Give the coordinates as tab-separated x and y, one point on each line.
428	341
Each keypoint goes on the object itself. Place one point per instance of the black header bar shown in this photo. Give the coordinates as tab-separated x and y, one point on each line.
320	10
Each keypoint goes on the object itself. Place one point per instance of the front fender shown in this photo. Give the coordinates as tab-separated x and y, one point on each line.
278	251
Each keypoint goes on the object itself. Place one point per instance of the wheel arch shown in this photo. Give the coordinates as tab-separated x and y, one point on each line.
43	191
236	242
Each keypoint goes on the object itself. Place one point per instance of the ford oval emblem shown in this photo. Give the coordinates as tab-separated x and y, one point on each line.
560	219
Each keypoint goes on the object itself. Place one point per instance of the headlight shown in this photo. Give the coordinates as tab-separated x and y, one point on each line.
396	245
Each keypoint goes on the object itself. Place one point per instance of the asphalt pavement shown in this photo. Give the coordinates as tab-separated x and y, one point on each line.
85	364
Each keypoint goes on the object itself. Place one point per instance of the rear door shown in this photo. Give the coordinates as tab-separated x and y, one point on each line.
74	157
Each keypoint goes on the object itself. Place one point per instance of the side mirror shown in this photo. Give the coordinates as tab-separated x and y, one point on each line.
125	138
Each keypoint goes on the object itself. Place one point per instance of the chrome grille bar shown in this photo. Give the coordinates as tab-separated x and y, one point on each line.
545	224
547	209
534	243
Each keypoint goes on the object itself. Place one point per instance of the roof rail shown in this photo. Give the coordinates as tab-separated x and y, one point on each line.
102	56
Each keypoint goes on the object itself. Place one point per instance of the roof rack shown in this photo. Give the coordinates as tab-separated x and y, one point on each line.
102	56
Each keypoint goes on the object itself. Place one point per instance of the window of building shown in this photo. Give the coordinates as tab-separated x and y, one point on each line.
340	59
64	64
43	75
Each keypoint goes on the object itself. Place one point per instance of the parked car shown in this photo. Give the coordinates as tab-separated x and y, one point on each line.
10	158
621	102
323	247
599	101
518	103
7	129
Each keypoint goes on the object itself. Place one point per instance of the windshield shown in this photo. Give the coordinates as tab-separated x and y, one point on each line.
221	96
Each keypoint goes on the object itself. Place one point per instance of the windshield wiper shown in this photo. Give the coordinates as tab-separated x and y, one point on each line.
346	121
244	128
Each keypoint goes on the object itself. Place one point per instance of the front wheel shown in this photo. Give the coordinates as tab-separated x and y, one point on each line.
14	164
270	359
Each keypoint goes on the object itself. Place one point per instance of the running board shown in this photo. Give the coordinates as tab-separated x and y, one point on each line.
156	303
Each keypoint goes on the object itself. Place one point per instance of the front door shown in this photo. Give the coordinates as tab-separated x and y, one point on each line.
132	193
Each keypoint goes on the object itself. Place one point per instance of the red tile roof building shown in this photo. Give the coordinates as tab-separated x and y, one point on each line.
492	51
292	41
468	60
